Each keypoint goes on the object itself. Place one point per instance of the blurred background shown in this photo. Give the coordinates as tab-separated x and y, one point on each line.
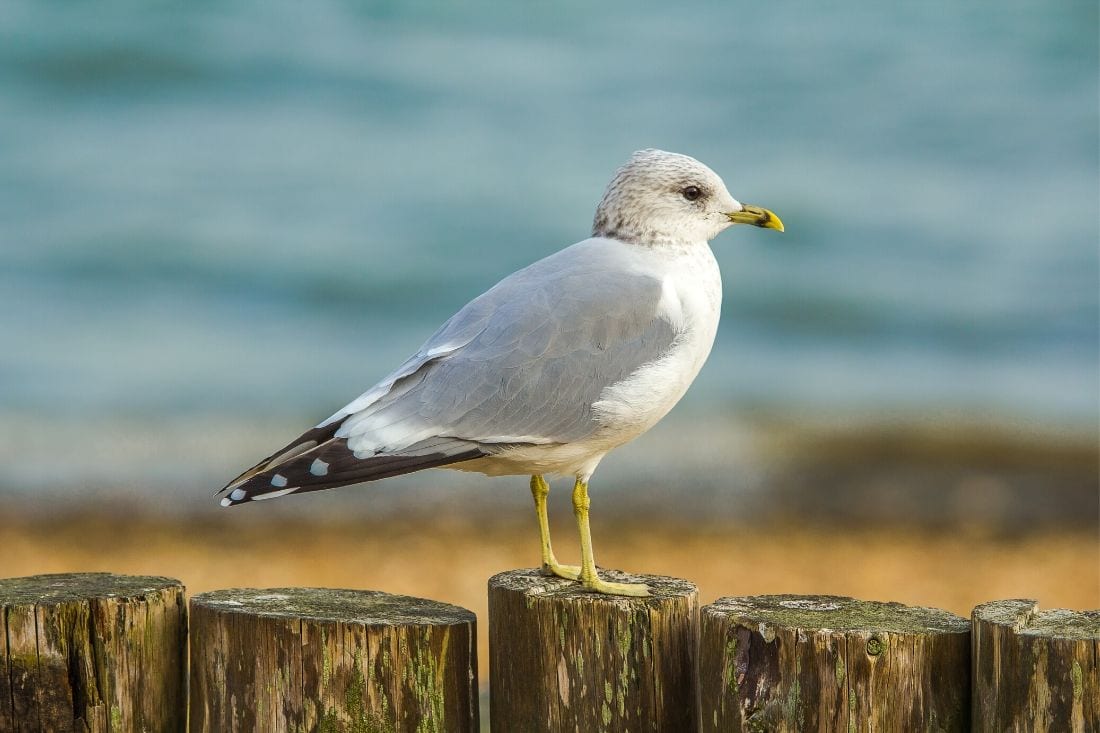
220	222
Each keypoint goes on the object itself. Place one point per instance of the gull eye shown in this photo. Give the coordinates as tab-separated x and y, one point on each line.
691	193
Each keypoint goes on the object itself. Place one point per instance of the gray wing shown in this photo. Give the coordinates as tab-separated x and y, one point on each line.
537	351
521	364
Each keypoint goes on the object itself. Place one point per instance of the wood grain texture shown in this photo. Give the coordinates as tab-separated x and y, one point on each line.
565	659
828	663
1035	670
92	652
317	659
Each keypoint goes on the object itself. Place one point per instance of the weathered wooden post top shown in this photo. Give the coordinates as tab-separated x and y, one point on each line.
305	659
92	652
562	658
794	663
1036	670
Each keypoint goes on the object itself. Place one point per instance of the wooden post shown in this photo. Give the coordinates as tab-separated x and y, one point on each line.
564	659
1035	670
795	663
316	659
92	652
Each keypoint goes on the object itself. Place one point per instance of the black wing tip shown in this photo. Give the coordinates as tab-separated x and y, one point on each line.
333	467
304	443
256	490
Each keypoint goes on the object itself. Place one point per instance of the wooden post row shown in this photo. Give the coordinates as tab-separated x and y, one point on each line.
99	652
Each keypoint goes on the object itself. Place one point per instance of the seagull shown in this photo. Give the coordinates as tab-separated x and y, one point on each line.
552	367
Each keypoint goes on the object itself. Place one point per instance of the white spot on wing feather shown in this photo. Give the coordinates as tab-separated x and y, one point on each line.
278	480
318	468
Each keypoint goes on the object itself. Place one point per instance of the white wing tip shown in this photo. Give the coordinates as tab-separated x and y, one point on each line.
275	494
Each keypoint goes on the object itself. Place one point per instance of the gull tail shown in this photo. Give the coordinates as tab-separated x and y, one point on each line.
318	460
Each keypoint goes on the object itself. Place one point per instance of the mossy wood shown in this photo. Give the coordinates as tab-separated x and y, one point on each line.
562	658
1035	670
92	652
315	659
827	663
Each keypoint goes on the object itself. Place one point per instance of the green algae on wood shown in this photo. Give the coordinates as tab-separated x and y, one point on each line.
793	663
92	652
335	661
1035	670
566	659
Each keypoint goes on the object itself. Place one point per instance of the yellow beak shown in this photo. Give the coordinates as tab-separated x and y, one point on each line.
756	216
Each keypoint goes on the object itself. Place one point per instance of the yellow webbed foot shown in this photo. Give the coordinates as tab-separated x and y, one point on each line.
569	572
617	589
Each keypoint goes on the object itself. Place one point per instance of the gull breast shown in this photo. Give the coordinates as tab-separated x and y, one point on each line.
691	301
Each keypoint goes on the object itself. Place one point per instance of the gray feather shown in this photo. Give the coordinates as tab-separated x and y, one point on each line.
530	358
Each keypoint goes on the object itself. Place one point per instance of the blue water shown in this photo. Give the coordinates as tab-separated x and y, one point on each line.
242	214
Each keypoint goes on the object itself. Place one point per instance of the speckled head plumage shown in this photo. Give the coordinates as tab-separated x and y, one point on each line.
660	197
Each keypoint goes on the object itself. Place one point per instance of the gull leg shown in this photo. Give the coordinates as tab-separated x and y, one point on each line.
540	489
589	576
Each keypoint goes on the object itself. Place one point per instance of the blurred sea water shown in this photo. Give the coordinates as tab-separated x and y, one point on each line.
221	221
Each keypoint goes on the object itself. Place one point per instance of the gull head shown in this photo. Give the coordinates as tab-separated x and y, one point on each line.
660	197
